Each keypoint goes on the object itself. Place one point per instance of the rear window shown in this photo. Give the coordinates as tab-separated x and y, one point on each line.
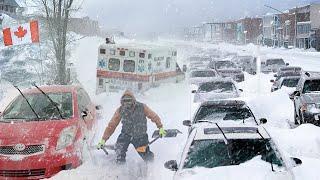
290	82
114	64
275	61
129	66
203	74
217	87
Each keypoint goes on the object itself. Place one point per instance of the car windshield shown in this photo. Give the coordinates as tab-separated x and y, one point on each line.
203	74
20	110
214	153
217	87
275	61
225	65
290	82
216	112
311	86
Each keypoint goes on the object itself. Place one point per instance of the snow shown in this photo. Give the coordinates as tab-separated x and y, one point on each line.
173	103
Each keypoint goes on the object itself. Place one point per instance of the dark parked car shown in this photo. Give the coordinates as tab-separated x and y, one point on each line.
306	100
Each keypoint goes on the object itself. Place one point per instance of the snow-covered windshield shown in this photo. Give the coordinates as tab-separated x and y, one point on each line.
217	87
215	112
311	86
275	62
290	82
225	65
20	110
203	74
214	153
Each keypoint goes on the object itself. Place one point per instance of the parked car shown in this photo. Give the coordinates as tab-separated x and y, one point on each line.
227	68
273	65
224	111
247	64
198	76
230	152
306	100
216	89
288	81
43	131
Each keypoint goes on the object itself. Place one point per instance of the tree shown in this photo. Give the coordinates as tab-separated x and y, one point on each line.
57	14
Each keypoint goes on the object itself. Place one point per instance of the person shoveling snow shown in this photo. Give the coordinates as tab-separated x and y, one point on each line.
133	116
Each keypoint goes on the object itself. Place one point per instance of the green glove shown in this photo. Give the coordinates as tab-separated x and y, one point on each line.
162	132
101	144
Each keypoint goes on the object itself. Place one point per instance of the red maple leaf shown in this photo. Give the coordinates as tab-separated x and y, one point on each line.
20	33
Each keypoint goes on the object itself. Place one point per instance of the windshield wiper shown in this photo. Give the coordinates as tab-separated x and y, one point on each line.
27	102
51	101
264	139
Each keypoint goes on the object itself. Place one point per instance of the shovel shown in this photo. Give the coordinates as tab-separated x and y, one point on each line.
170	133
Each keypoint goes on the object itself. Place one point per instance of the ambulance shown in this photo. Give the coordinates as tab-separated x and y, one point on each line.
137	67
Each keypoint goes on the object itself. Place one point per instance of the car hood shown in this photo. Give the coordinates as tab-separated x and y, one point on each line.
34	130
312	97
251	170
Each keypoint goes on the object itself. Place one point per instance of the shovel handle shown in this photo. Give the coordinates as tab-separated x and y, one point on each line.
153	140
105	151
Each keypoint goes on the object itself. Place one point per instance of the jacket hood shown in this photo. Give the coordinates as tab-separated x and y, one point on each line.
128	93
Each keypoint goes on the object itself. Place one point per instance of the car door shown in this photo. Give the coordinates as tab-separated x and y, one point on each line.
86	108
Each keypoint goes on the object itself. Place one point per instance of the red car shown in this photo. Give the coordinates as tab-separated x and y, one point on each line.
42	131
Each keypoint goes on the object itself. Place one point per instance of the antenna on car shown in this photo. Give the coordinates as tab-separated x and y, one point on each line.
27	102
224	135
52	102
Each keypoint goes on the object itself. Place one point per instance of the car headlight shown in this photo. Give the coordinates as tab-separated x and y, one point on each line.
66	137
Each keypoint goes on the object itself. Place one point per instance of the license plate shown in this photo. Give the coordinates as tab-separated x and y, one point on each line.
316	117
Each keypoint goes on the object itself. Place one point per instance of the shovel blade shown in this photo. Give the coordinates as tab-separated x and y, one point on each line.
170	133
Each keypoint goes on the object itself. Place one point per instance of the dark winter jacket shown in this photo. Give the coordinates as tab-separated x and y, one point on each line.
134	123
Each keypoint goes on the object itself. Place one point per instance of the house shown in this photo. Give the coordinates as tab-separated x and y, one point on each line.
9	7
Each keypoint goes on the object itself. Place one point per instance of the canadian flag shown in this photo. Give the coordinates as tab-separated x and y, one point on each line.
21	34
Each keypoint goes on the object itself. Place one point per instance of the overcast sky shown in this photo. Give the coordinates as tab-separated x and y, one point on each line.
144	16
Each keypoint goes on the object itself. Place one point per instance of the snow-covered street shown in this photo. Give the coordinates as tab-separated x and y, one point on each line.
173	103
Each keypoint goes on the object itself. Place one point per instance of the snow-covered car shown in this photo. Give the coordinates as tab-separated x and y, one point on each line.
43	131
273	65
306	100
289	81
231	153
247	63
227	68
224	111
198	76
215	89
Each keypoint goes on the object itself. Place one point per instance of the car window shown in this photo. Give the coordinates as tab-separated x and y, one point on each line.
225	65
217	87
203	74
20	110
290	82
83	100
311	86
214	153
215	112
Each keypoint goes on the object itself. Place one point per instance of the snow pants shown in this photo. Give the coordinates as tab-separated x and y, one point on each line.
123	142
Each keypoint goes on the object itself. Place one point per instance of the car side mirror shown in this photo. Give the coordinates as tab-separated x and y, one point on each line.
84	114
296	161
263	121
172	165
98	107
272	80
275	75
297	93
193	91
186	123
241	90
287	64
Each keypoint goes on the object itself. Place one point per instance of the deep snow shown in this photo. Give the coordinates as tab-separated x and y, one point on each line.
173	103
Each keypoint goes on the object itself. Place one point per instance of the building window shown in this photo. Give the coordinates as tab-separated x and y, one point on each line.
149	56
100	82
114	64
142	55
129	66
132	54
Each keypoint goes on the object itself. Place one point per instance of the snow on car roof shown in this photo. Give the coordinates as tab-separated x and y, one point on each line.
224	102
241	131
